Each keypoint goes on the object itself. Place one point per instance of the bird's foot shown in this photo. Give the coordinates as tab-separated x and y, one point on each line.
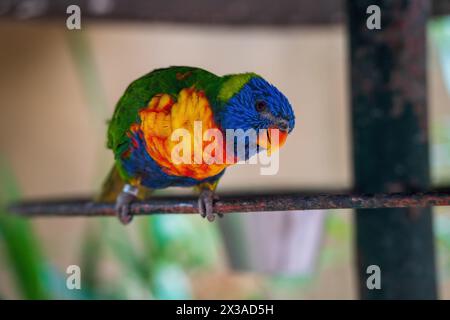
206	204
123	202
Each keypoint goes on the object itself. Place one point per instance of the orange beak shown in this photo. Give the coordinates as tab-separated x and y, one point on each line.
272	139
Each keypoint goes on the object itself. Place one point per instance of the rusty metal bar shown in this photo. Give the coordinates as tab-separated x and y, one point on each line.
229	12
390	146
235	203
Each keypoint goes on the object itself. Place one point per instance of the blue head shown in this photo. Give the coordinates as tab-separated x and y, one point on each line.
258	105
253	103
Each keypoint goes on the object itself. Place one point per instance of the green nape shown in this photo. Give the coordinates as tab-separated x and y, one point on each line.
232	84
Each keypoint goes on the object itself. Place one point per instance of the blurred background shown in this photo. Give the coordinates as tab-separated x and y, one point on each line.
58	89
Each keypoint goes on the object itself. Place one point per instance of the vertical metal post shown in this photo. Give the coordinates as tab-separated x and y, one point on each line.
390	146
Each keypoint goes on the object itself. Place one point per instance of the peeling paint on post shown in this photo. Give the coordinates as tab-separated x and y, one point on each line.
390	146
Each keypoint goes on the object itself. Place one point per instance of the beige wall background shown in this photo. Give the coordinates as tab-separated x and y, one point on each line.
57	148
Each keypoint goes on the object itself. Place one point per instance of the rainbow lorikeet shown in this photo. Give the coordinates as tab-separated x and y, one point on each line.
156	105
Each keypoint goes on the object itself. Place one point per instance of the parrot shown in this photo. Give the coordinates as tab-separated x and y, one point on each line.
152	109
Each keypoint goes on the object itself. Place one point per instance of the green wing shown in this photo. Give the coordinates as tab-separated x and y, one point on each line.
137	96
170	81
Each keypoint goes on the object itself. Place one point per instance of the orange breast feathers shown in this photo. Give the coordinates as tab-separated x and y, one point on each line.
171	132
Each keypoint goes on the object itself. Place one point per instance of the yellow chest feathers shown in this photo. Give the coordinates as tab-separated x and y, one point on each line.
164	119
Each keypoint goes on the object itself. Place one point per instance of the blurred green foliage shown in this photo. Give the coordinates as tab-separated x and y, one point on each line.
155	265
19	242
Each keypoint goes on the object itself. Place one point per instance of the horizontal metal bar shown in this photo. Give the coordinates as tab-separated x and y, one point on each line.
229	12
236	203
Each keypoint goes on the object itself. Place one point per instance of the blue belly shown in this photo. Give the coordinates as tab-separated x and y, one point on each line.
140	164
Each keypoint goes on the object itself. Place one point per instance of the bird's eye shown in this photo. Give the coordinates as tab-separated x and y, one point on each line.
260	106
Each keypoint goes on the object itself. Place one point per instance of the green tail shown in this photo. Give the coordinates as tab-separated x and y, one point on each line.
113	186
